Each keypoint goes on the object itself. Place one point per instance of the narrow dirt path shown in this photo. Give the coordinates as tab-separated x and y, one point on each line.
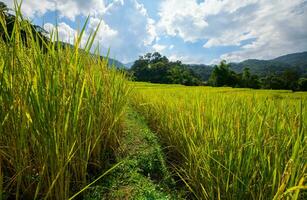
143	174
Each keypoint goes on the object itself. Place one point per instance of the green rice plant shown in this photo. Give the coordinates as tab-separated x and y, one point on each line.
60	114
229	143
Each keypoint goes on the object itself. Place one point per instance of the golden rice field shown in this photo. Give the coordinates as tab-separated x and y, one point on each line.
227	143
60	115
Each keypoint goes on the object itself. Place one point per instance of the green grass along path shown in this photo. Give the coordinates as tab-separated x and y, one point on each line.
143	174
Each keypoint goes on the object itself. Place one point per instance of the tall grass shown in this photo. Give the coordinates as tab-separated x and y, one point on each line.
60	115
231	143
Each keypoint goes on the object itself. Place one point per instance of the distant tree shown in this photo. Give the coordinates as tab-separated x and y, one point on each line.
140	69
287	80
181	75
223	76
159	71
273	81
153	67
302	84
215	78
290	78
248	80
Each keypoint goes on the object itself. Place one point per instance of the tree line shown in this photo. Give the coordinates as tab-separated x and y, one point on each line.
155	68
289	79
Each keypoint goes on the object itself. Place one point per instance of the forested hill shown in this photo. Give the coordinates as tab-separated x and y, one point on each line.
116	63
295	61
204	71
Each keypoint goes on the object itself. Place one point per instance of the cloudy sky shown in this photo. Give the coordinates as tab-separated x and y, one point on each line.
194	31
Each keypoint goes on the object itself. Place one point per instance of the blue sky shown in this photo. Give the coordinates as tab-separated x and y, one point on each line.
194	31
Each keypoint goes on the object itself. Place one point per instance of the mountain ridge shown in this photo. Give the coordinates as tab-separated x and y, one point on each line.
294	61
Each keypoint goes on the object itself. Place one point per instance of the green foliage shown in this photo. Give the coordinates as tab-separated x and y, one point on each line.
60	114
248	80
222	76
156	68
295	61
272	82
262	68
302	84
287	80
290	79
203	71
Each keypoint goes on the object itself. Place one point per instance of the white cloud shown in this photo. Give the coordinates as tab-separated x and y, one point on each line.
229	38
159	47
188	19
151	31
105	34
182	18
30	8
273	27
278	29
73	8
65	32
65	8
136	30
187	59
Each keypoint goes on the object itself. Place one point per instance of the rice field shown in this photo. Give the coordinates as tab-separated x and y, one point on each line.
60	115
225	143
